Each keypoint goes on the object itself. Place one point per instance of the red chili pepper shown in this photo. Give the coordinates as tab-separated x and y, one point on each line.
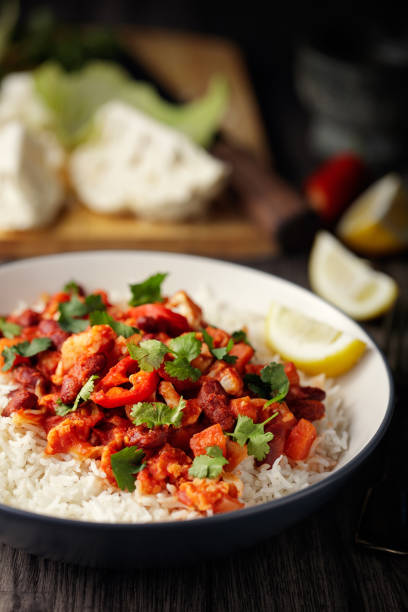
143	385
119	373
335	184
162	318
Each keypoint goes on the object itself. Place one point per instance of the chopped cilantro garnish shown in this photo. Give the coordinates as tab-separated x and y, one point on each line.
153	414
221	352
71	312
253	434
83	396
209	465
125	464
149	354
148	291
240	336
25	349
71	287
272	384
94	302
9	330
99	317
185	348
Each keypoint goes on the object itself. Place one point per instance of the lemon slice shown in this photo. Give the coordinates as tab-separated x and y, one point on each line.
313	346
377	222
347	281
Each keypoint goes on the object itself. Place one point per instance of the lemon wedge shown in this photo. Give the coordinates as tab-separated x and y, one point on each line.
377	222
313	346
348	281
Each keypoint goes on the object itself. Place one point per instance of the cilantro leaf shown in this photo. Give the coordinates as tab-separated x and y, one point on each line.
153	414
9	330
186	346
254	435
240	336
180	368
148	291
209	465
99	317
9	356
94	302
272	384
124	464
71	287
149	354
72	325
83	395
74	308
71	312
25	349
221	352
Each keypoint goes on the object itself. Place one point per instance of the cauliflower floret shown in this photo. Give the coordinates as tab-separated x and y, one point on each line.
137	164
30	190
96	339
19	101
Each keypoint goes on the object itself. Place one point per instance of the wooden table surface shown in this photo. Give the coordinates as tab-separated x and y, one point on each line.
314	565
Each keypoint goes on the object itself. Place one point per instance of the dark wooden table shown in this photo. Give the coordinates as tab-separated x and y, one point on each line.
315	565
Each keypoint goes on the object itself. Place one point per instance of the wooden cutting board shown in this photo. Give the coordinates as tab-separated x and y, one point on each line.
183	63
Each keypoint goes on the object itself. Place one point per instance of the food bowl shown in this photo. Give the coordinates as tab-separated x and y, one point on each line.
366	391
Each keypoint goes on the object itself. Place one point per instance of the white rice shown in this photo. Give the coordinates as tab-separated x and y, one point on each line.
60	485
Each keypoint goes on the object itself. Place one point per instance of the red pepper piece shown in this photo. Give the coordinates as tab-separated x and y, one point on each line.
333	186
160	318
143	385
119	373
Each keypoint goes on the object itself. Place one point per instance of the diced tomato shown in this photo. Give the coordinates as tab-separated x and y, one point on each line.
300	440
244	354
292	373
227	504
246	406
235	454
211	436
280	426
205	494
219	336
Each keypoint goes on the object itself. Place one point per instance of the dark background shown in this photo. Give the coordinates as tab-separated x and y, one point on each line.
269	33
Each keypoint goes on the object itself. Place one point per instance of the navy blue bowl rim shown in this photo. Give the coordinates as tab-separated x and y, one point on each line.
217	519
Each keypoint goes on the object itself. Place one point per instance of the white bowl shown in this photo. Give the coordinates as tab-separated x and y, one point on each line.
366	390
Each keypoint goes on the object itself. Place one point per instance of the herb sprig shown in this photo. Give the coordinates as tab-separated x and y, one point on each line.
154	414
272	383
148	291
8	329
150	355
24	349
209	465
83	396
254	435
125	464
101	317
221	352
71	312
